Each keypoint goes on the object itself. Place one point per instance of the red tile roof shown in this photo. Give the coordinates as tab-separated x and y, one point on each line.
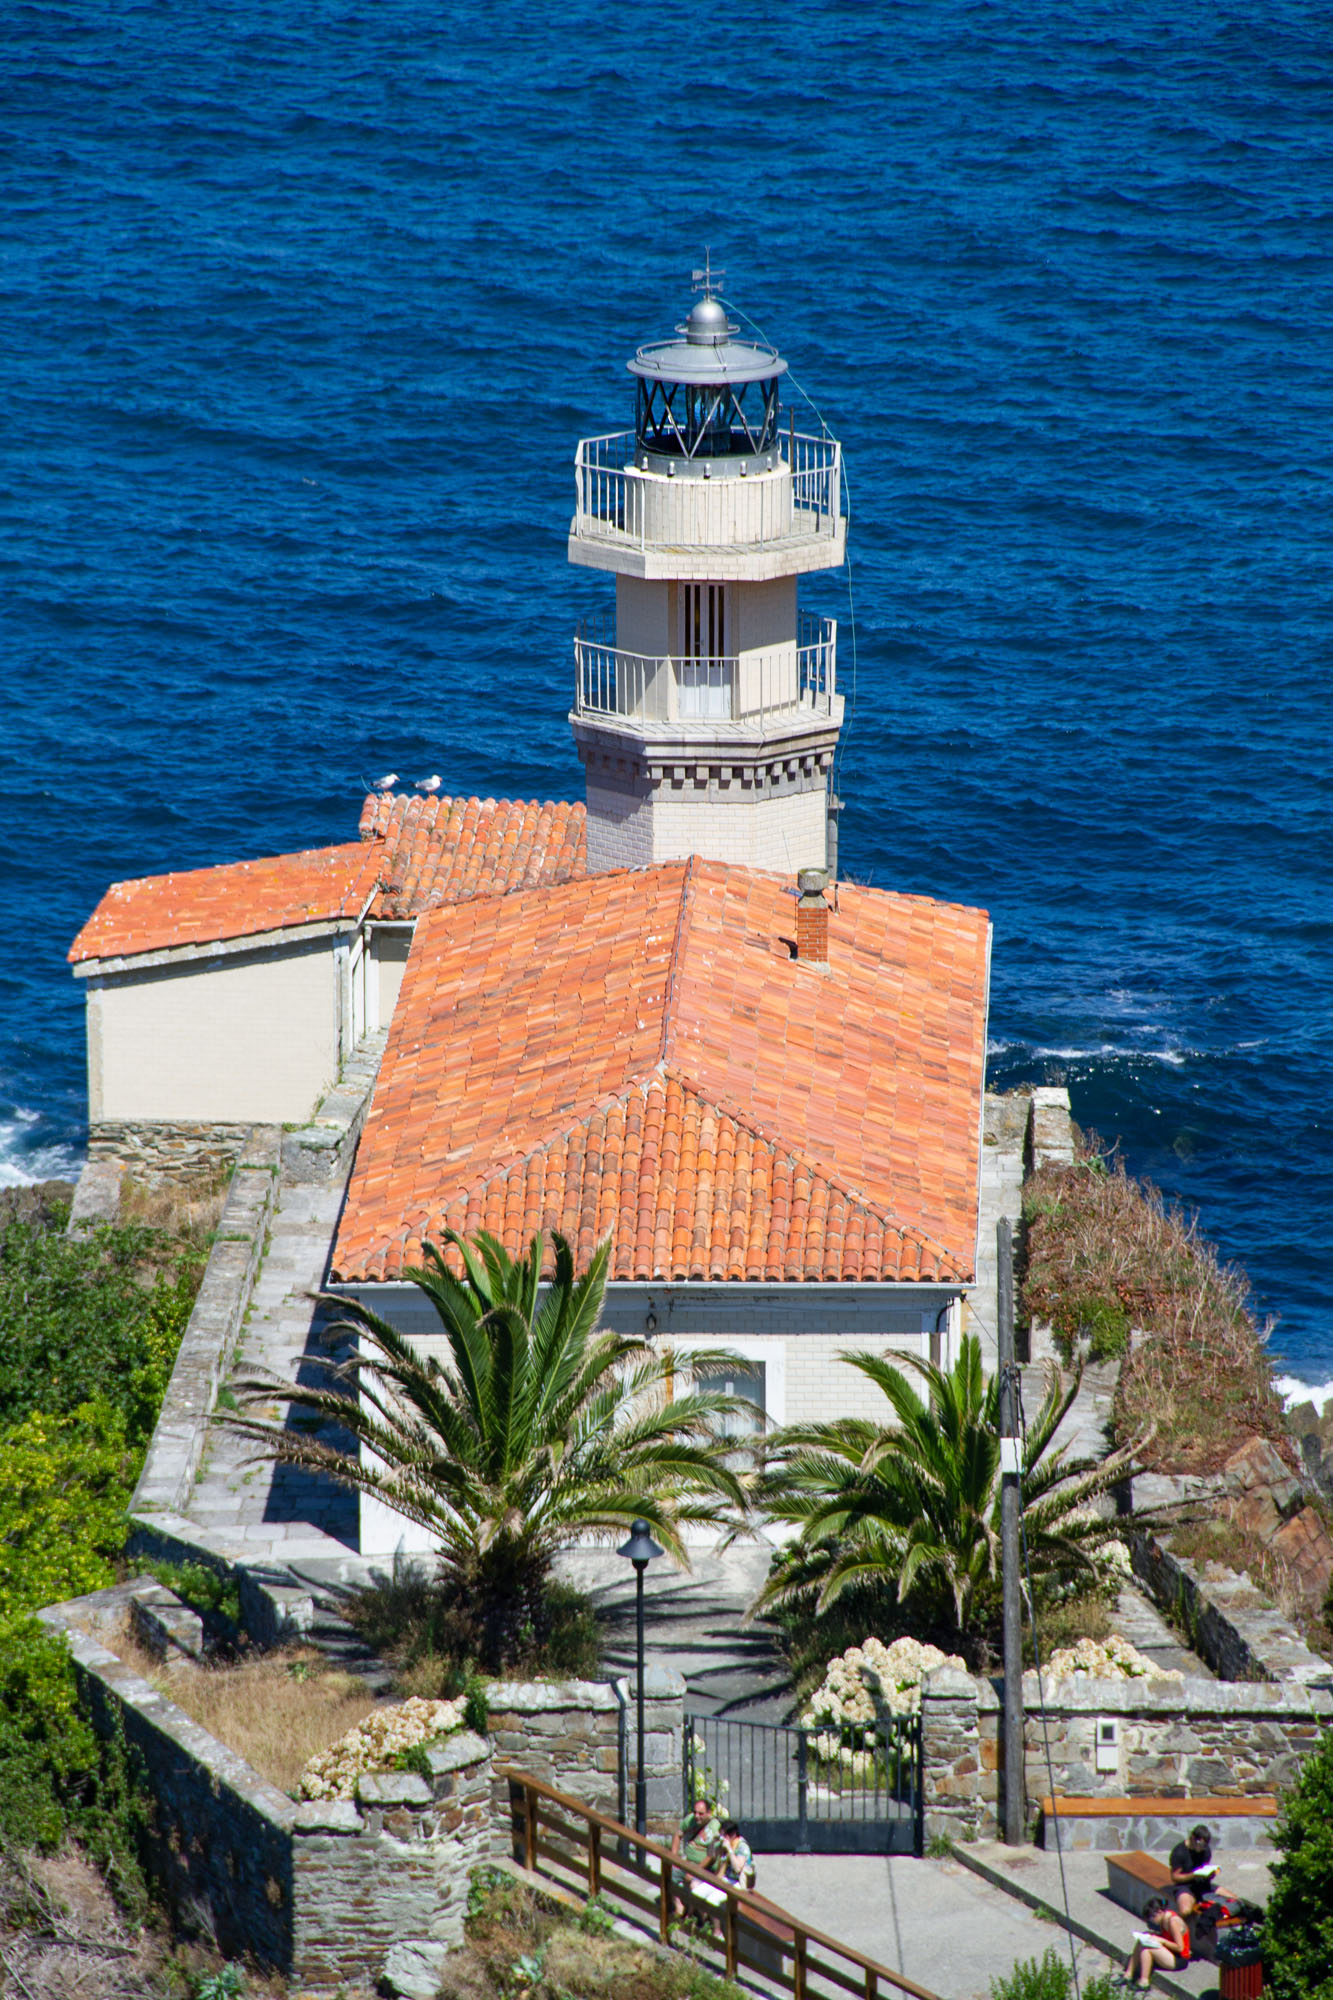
447	850
207	905
639	1054
413	855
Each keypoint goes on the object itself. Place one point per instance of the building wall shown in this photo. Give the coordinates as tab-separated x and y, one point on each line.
248	1037
805	1377
388	954
723	820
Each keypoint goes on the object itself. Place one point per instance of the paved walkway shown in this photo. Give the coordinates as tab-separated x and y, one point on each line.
281	1513
932	1920
1030	1871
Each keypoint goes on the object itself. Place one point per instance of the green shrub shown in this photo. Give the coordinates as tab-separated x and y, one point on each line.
1298	1948
1049	1978
57	1780
106	1307
199	1586
1094	1320
65	1483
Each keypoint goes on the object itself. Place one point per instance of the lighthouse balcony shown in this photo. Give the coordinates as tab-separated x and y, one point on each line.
776	512
749	691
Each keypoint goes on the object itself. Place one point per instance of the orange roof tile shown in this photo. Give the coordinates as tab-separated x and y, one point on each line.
439	850
639	1054
242	899
416	852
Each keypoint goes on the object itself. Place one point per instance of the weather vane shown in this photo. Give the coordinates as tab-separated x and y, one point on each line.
707	280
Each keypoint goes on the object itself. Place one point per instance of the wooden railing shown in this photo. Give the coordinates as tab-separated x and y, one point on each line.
622	1867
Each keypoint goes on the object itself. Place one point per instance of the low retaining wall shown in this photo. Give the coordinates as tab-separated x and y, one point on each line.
1230	1626
1176	1739
330	1892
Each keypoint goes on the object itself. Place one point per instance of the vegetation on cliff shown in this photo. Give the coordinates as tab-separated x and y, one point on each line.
89	1328
1104	1254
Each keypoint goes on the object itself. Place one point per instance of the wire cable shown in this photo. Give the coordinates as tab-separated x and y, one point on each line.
806	397
1016	1385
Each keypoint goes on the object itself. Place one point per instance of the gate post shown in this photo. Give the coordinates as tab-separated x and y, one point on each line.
802	1787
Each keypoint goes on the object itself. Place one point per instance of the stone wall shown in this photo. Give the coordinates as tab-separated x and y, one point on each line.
1177	1739
347	1890
1230	1625
568	1733
960	1756
156	1150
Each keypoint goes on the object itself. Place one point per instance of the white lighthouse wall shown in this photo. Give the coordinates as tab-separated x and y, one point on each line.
635	827
642	617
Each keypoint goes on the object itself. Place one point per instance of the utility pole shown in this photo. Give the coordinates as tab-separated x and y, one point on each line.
1010	1500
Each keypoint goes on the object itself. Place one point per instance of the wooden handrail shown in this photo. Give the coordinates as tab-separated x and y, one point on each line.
739	1901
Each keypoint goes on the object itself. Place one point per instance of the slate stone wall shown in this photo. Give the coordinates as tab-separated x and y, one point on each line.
156	1150
331	1892
1231	1626
1177	1739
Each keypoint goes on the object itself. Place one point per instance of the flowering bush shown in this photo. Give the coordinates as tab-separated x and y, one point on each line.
375	1743
1112	1659
873	1680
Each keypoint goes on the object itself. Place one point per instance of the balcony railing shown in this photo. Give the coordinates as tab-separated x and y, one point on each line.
745	688
797	498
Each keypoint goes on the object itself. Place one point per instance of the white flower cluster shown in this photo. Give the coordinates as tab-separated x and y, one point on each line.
874	1680
374	1744
1112	1659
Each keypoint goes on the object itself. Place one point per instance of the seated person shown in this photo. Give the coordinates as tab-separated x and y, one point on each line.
1165	1942
732	1859
1192	1871
695	1838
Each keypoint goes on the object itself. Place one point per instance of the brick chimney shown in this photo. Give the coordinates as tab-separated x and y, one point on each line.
812	917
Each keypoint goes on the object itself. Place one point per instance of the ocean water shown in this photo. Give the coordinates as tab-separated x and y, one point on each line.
304	310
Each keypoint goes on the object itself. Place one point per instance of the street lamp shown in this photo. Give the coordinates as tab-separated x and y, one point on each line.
640	1549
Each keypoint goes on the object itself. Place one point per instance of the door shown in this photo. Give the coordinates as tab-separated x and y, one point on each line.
704	670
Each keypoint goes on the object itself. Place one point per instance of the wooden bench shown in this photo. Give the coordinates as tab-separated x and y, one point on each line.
1132	1878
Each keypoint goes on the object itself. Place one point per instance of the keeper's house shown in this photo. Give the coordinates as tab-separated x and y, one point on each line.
655	1017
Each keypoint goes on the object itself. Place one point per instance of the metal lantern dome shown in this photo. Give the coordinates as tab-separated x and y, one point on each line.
706	394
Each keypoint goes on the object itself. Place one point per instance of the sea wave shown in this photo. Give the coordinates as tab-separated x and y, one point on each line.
1294	1391
26	1156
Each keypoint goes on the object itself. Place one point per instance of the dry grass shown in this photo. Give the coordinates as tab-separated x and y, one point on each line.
1104	1253
62	1938
1220	1539
277	1710
190	1210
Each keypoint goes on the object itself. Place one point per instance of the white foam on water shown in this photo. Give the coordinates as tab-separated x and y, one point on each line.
22	1163
1294	1391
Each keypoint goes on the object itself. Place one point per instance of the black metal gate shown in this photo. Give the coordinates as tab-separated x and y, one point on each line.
811	1791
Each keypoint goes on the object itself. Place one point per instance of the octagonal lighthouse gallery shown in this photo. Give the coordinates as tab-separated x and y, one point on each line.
707	714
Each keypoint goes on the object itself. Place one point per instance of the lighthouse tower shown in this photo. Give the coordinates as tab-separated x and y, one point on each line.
706	712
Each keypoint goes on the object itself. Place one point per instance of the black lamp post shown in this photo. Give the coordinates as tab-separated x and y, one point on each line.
640	1550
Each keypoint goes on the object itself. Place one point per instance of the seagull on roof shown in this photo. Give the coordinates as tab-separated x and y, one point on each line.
431	784
387	782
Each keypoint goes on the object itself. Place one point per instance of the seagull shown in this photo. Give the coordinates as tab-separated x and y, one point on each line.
431	784
387	782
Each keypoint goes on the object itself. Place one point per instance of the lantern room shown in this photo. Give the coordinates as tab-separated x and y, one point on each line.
706	395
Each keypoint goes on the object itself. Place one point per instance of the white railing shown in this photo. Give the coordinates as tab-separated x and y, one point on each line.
747	687
800	497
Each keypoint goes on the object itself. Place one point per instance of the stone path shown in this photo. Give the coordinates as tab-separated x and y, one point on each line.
277	1511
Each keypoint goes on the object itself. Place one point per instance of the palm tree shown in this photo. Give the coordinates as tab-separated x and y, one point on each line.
912	1509
535	1429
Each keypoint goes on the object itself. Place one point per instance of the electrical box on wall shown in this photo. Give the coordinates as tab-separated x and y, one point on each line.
1108	1744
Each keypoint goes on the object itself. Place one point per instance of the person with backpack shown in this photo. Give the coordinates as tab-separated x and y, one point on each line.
1165	1943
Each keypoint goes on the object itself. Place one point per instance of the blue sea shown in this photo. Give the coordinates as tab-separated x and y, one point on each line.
303	310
